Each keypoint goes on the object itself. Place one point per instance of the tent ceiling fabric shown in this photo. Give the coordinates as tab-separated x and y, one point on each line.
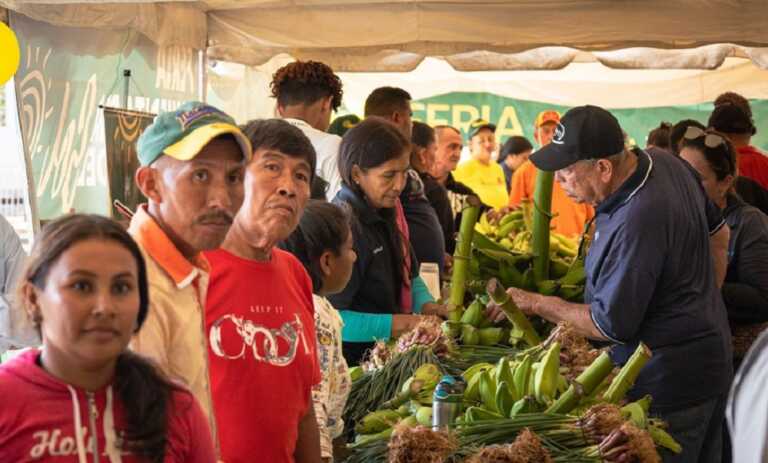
167	23
395	35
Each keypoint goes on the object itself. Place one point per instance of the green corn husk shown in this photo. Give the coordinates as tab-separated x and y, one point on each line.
461	257
628	374
499	296
584	384
542	215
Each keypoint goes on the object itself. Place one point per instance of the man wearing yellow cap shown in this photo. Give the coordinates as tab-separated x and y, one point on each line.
191	172
569	217
481	173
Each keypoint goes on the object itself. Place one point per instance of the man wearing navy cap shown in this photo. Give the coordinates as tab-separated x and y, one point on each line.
650	274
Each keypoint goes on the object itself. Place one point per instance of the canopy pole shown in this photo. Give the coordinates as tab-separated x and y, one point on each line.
126	88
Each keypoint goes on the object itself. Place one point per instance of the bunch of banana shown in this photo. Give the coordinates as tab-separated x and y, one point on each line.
512	387
378	421
380	424
418	388
502	249
474	328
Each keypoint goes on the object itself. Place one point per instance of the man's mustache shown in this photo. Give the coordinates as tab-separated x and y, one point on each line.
215	217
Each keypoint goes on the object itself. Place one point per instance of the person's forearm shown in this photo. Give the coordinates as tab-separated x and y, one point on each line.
556	310
718	246
308	442
365	327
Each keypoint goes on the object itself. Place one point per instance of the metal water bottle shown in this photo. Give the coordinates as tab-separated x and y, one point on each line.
446	401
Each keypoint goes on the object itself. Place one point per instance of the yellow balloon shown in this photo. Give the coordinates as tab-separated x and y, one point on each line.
9	53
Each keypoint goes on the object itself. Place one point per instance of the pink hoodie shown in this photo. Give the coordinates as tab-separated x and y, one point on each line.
40	416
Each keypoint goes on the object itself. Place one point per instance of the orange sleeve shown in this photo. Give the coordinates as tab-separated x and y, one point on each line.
521	186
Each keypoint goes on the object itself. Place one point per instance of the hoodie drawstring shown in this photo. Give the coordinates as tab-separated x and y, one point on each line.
110	436
109	431
79	438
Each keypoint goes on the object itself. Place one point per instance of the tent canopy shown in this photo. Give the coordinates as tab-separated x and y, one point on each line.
396	35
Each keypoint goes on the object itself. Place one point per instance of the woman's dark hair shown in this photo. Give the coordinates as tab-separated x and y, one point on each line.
143	390
370	144
367	145
422	135
677	132
659	137
514	146
323	227
278	135
305	82
721	158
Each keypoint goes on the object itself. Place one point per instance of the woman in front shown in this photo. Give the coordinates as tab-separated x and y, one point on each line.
82	397
384	297
745	291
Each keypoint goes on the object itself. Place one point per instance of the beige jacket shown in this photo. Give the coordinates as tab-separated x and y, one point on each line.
173	334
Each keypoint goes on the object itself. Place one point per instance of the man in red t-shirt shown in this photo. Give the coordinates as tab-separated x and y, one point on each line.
259	312
732	120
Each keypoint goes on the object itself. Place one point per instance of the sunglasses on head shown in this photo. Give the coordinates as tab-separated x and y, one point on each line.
711	140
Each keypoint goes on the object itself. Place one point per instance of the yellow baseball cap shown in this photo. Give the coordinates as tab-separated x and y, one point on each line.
183	133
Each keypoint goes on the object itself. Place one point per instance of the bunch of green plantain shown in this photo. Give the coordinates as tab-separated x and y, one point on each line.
474	328
525	385
502	248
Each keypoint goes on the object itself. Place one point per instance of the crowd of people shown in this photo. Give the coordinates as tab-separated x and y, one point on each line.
270	257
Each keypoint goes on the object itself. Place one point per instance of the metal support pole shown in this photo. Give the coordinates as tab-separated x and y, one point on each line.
126	88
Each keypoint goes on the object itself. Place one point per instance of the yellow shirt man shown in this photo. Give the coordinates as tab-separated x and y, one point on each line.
481	173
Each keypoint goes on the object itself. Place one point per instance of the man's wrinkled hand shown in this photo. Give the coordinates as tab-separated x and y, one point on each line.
525	301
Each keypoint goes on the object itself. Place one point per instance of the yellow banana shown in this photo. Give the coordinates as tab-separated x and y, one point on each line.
488	391
470	372
545	383
521	376
504	399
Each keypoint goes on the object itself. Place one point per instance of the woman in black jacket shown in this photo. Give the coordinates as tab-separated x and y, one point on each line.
384	296
745	290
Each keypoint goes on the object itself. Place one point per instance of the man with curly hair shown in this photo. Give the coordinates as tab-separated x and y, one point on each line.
307	94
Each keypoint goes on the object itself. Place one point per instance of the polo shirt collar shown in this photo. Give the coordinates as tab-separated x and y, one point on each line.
631	186
159	247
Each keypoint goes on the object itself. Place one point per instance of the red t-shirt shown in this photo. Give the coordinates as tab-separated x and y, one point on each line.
753	164
263	362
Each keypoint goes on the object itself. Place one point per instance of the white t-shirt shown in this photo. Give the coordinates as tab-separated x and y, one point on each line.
327	149
746	412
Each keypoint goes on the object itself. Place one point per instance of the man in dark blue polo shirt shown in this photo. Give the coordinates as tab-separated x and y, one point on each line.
651	275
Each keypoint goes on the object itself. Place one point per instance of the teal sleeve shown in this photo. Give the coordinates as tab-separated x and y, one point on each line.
419	294
365	327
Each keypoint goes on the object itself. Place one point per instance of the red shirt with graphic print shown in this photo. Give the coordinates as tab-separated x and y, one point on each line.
262	350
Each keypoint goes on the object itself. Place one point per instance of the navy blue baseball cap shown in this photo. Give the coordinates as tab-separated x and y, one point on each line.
585	132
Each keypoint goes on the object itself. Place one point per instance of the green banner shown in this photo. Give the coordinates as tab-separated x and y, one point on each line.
65	74
516	117
122	130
